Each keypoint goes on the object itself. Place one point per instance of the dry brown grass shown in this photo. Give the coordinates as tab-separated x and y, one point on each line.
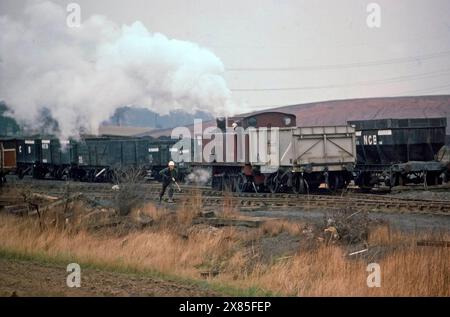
164	250
327	272
172	245
276	226
229	208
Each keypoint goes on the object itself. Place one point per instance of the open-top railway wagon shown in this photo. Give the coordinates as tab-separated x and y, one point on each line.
43	157
93	159
96	159
307	157
399	151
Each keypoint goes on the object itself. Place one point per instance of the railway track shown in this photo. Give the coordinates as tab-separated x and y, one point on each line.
154	188
211	199
332	203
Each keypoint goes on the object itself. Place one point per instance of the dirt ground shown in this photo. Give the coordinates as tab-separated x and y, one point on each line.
424	194
23	278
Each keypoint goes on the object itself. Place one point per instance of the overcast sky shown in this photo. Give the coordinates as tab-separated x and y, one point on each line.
280	52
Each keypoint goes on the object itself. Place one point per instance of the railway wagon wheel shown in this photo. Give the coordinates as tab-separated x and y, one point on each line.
433	179
303	187
273	183
20	173
240	183
330	182
279	182
299	185
243	183
399	179
218	182
364	180
334	182
90	176
60	174
227	183
38	173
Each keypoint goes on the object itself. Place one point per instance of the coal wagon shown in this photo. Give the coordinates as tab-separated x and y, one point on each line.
399	151
28	151
90	158
304	158
96	159
54	159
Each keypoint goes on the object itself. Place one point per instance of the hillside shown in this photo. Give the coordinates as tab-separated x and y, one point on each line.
337	112
340	111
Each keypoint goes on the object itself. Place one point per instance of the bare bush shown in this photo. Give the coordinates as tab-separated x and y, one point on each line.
127	188
347	226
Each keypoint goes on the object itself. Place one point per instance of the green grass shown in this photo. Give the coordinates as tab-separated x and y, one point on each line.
63	259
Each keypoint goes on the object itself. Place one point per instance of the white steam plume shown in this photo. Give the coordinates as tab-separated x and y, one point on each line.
199	176
82	75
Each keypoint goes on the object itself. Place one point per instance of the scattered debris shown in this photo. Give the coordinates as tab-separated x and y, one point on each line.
17	209
358	252
333	233
44	197
209	274
61	202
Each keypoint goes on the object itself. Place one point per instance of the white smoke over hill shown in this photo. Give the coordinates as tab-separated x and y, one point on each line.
82	75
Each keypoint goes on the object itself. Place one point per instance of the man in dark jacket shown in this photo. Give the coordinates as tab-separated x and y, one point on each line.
168	176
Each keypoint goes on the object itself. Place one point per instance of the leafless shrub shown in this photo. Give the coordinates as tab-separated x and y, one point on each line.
347	226
127	192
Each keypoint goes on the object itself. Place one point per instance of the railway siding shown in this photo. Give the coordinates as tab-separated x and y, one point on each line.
211	199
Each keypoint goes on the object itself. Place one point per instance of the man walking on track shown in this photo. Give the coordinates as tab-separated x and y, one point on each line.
168	176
